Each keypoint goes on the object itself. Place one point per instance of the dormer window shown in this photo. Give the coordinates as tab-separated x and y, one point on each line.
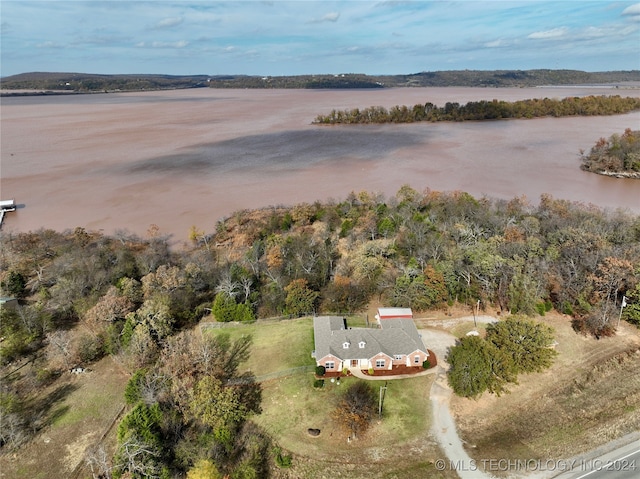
346	345
362	344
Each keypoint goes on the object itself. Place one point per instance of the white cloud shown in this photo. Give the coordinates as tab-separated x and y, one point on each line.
610	32
632	11
179	44
497	43
329	17
48	44
169	22
553	33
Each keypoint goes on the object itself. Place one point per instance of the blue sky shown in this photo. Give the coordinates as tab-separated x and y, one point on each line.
312	37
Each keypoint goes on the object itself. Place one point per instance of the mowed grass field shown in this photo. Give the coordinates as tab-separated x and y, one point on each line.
277	345
398	443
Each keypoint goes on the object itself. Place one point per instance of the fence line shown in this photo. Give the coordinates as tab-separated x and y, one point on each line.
286	372
218	325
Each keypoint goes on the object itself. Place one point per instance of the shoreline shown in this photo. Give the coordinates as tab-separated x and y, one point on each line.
629	175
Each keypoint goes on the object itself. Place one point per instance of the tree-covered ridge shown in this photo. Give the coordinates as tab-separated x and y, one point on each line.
617	156
86	82
484	110
83	82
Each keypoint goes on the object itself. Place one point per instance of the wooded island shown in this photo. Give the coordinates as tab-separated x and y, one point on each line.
484	110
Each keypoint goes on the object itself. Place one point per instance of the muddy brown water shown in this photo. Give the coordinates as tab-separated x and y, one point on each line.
179	158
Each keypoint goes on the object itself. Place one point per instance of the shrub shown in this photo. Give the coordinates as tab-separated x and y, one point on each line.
426	364
541	309
45	376
132	393
567	308
320	370
282	460
345	228
318	383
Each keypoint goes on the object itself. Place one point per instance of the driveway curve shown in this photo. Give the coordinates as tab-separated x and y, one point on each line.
444	426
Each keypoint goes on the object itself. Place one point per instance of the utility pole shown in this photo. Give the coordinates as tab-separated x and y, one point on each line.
476	312
382	398
622	305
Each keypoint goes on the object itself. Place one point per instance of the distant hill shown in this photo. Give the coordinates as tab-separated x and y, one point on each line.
468	78
84	82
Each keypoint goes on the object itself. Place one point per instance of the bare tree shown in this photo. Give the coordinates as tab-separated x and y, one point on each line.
98	461
139	458
59	350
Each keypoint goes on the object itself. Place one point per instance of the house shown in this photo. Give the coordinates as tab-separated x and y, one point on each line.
395	343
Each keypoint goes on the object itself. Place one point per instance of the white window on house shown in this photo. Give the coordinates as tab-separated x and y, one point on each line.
416	359
346	345
397	357
380	363
362	344
329	365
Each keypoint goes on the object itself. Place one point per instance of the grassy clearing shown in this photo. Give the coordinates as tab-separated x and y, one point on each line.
462	329
277	345
292	405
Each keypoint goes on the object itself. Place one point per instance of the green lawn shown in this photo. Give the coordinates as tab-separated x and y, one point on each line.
277	345
292	405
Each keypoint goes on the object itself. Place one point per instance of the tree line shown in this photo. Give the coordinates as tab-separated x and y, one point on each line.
484	110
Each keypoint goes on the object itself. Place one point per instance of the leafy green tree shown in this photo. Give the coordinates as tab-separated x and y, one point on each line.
132	392
528	343
204	469
470	373
217	406
225	309
631	312
140	446
300	298
15	284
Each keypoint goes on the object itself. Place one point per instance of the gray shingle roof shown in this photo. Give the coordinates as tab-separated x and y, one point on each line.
397	336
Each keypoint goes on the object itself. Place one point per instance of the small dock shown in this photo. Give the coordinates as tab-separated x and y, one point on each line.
5	207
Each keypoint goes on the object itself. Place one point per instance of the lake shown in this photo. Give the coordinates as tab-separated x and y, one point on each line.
124	161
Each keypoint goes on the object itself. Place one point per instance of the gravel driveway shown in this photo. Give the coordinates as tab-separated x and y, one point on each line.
444	427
